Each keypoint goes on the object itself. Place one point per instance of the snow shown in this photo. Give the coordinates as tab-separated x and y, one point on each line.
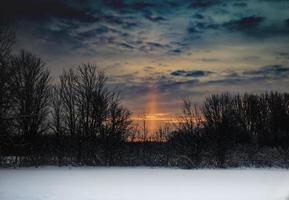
51	183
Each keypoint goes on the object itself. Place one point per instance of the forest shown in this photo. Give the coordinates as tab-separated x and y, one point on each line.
80	121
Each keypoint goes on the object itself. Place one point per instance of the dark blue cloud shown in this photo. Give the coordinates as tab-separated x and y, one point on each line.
117	4
156	45
193	30
274	71
175	51
202	25
125	45
39	9
198	16
282	55
203	3
245	23
130	5
253	26
191	73
225	81
269	72
287	22
196	29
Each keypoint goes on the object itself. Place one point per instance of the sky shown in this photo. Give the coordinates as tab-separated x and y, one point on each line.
157	52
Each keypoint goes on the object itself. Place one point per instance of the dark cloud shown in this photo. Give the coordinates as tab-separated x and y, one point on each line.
139	5
139	25
193	30
203	25
191	73
175	51
56	39
125	45
245	23
155	45
253	26
117	4
282	55
269	72
196	29
203	3
198	16
39	9
132	5
287	22
121	17
273	71
225	81
274	1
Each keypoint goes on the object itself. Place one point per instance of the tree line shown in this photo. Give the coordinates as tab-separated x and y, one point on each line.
232	130
80	121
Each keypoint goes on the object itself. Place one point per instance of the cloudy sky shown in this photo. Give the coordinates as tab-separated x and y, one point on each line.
157	52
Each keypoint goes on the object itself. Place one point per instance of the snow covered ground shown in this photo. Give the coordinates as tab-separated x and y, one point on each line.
51	183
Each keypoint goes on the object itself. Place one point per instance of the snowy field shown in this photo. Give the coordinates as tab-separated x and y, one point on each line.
51	183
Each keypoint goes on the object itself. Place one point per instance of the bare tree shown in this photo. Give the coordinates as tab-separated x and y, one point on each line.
68	82
92	113
92	100
188	135
7	38
117	127
30	91
163	132
219	116
191	118
100	104
143	127
57	125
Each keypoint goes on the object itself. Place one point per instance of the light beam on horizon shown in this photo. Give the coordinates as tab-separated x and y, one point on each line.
151	108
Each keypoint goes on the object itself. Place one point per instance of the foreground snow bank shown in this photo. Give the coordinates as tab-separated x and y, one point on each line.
143	184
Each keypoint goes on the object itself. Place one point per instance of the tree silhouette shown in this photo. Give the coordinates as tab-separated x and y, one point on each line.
188	135
57	123
7	38
30	91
